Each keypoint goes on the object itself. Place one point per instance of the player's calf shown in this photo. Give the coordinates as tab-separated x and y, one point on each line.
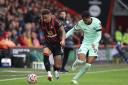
75	64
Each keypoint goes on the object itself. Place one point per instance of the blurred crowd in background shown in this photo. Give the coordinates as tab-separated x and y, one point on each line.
19	24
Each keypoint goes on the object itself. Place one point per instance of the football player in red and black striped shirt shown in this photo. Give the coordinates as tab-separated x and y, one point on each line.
54	39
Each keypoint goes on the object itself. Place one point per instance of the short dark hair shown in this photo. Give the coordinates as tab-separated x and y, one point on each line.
85	14
45	11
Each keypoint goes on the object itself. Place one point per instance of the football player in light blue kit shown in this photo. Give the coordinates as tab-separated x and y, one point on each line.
91	27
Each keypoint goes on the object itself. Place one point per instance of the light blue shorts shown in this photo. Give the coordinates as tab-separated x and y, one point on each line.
88	48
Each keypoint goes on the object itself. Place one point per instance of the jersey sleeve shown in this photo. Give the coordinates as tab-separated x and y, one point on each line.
98	33
70	32
98	26
77	26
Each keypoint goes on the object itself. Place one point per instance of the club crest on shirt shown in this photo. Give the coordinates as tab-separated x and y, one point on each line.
50	33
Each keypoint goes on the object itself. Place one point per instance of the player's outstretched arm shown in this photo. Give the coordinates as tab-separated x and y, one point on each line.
62	36
70	32
75	28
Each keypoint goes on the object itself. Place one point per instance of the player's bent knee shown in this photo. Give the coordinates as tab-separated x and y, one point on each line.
46	54
81	61
46	50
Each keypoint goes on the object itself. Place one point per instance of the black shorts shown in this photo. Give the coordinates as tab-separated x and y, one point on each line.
55	48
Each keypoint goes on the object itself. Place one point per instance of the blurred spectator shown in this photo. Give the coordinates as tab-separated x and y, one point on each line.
35	40
32	15
15	14
118	35
28	28
14	36
6	42
15	25
62	16
22	40
125	38
2	26
25	39
63	19
107	39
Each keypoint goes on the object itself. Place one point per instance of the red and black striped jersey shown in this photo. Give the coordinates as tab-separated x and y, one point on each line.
51	31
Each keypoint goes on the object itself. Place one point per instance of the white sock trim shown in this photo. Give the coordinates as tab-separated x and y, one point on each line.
49	73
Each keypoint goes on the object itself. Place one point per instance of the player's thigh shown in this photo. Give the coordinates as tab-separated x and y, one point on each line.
91	59
57	50
46	50
82	53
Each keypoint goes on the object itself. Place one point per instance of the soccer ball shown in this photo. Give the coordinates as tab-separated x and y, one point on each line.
32	78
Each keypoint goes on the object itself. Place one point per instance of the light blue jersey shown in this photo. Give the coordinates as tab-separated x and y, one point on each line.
92	34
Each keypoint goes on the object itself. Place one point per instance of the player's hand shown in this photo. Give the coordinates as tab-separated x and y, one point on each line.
62	43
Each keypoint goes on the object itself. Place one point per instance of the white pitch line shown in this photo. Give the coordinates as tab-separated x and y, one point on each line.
108	70
12	79
72	73
11	75
15	71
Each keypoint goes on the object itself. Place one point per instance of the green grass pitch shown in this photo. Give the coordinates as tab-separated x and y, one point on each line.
99	74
